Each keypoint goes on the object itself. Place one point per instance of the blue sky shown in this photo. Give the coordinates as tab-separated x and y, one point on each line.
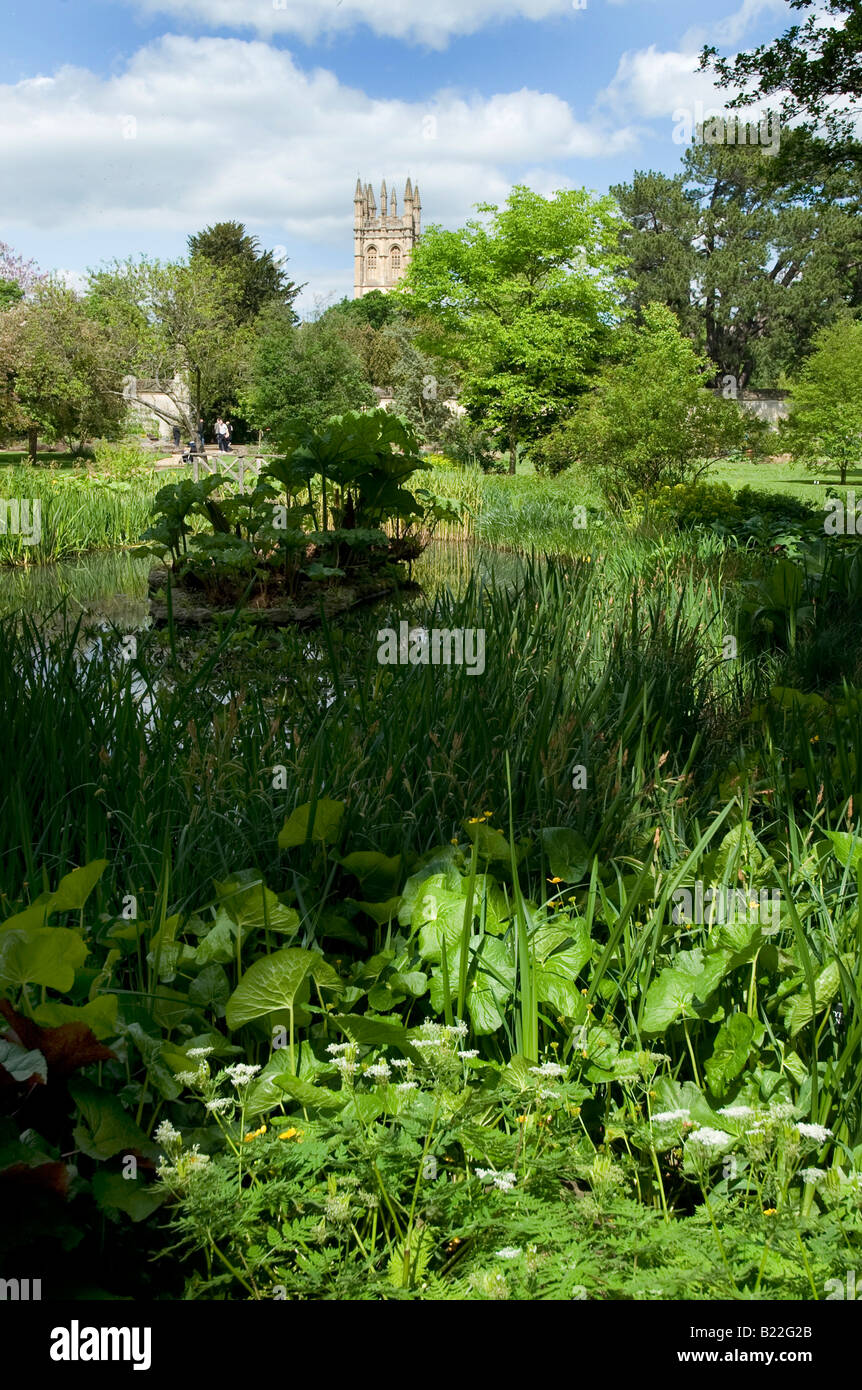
127	124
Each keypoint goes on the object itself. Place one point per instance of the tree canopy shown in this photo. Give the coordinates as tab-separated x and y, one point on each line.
252	279
522	304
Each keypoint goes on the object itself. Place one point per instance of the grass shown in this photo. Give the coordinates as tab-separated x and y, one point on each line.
79	511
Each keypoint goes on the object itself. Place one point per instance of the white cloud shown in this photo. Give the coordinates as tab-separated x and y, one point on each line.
75	280
416	21
196	130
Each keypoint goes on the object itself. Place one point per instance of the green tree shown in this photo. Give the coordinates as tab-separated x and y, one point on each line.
649	420
825	424
521	305
10	293
814	67
175	332
300	377
420	387
252	279
752	258
59	372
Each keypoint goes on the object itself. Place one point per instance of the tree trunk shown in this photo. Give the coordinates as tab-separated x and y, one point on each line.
513	445
843	466
32	442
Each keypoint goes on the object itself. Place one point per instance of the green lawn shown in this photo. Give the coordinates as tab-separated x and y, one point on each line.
14	458
781	475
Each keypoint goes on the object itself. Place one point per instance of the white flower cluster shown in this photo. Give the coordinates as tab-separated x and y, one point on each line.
669	1117
708	1138
380	1071
549	1069
241	1073
818	1132
504	1182
167	1136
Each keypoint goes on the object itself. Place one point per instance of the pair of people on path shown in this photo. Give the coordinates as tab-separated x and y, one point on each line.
223	434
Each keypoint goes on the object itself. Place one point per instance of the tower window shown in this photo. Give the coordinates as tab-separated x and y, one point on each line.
371	260
396	258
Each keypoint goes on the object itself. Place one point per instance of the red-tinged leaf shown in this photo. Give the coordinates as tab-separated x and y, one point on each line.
49	1177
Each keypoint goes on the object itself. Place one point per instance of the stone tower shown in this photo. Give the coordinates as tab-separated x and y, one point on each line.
383	242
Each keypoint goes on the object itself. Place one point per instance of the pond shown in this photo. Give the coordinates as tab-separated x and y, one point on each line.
110	588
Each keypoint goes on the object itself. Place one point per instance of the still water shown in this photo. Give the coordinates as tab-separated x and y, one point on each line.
110	589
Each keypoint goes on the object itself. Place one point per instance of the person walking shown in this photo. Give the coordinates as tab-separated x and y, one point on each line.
228	435
201	440
177	436
221	438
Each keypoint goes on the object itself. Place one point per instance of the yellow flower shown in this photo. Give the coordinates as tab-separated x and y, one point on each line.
255	1134
555	880
474	820
769	1211
584	1053
453	842
289	1133
585	991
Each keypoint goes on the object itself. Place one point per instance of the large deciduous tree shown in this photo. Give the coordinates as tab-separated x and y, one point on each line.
752	257
521	304
175	329
59	371
300	376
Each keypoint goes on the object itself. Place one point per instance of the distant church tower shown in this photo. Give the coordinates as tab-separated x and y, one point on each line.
383	242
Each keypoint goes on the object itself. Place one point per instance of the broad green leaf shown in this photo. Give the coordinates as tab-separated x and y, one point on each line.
324	828
666	999
218	947
33	916
271	983
256	906
846	848
308	1095
100	1015
730	1054
210	989
377	873
826	987
136	1198
74	889
491	984
150	1048
491	845
365	1029
46	956
568	853
381	913
104	1128
20	1064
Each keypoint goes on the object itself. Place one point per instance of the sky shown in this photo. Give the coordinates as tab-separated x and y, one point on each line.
127	125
